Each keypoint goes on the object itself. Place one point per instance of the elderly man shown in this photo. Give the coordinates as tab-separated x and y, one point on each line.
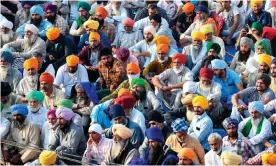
180	139
48	129
256	127
69	137
213	156
6	33
25	133
37	15
97	145
123	55
186	156
70	73
122	151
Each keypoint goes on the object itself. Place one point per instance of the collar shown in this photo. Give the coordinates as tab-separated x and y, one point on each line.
201	116
94	144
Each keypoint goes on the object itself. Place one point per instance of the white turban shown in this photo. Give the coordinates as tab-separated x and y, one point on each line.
150	29
96	128
189	87
32	27
6	23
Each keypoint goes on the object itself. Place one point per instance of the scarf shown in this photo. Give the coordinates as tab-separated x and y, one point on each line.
248	126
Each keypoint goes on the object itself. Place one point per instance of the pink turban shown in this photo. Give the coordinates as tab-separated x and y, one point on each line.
128	22
51	112
65	113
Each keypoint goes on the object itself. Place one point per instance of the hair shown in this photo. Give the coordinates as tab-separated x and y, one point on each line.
203	2
216	136
153	6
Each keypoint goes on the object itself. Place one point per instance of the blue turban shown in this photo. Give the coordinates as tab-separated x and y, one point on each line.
116	110
155	134
179	125
19	109
274	61
6	54
37	9
256	105
219	64
202	8
194	2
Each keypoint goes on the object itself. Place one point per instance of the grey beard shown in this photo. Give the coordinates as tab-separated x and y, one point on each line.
34	110
164	60
218	151
80	100
33	79
6	37
115	10
205	88
4	72
255	122
52	126
28	42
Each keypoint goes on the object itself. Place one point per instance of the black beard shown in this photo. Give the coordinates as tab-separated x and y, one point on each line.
18	123
51	19
234	135
65	127
140	96
154	154
243	56
36	22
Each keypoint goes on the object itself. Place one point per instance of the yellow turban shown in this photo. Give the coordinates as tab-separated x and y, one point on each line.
207	28
230	158
31	63
94	35
72	60
52	33
162	47
122	131
187	100
256	2
186	152
47	157
91	24
198	35
124	92
162	40
267	59
201	102
269	159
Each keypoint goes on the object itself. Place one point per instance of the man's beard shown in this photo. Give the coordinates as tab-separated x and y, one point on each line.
32	78
196	49
233	134
116	10
52	126
81	100
6	37
18	123
118	147
156	28
218	151
255	121
243	56
205	88
139	95
4	71
35	109
177	70
149	39
28	42
154	154
65	126
51	19
163	60
36	22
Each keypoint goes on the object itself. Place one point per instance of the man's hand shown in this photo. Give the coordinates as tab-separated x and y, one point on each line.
272	119
16	159
51	57
166	88
136	54
91	67
81	31
89	143
242	108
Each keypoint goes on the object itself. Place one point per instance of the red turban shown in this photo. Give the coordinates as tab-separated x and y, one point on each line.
181	57
47	77
206	73
101	11
127	102
269	33
128	22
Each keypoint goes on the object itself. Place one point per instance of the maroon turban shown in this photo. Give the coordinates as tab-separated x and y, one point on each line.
127	102
122	54
49	6
206	73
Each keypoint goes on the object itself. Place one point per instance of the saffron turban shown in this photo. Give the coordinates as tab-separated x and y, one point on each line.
122	131
179	125
186	152
65	113
150	29
94	35
52	33
190	87
32	28
50	6
84	5
72	60
128	22
37	95
91	24
256	105
218	64
19	109
200	101
264	58
37	9
101	11
65	103
51	112
269	159
96	128
47	157
46	77
133	68
30	63
215	46
154	134
122	54
6	55
124	92
162	39
188	7
206	73
230	158
6	23
187	100
256	2
138	81
198	35
162	47
181	57
258	26
207	28
127	102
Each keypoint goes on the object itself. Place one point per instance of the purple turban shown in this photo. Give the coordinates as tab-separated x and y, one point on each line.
122	54
51	112
65	113
49	6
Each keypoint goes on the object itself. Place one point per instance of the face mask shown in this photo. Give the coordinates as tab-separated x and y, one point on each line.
178	70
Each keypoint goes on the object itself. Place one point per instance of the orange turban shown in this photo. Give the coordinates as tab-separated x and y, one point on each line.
124	92
181	57
52	33
200	101
133	67
269	159
188	7
198	35
94	35
162	39
47	77
162	47
72	60
31	63
186	152
128	22
101	11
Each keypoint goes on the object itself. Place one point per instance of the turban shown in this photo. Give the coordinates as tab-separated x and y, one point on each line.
96	128
19	109
207	28
215	46
50	6
189	87
6	23
266	79
1	106
274	3
47	157
202	8
188	7
230	158
258	26
155	134
229	122
46	77
179	125
122	131
161	39
124	92
206	73
37	9
133	68
218	64
162	47
84	5
91	24
198	35
269	159
256	105
72	60
6	55
186	152
247	41
127	102
264	43
256	2
269	32
264	58
5	88
65	103
101	11
94	35
156	17
29	3
200	101
51	112
181	57
122	54
31	63
138	81
65	113
128	22
150	29
116	110
155	116
187	100
52	33
32	28
274	61
37	95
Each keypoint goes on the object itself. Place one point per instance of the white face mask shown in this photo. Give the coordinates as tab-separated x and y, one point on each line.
178	70
130	77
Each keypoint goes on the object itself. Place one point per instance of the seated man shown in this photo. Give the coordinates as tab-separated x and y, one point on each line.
273	75
213	156
6	34
186	156
4	124
49	128
43	66
47	157
123	55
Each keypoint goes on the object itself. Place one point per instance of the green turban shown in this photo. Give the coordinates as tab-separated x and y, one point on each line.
215	46
257	26
84	5
65	103
138	81
264	43
2	106
37	95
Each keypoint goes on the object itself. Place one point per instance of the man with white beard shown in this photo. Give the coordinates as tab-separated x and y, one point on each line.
7	35
49	127
7	72
213	156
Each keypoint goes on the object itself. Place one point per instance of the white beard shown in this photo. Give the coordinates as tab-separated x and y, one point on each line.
32	79
115	10
6	37
255	122
4	71
205	88
117	148
178	70
218	151
28	42
164	60
35	109
52	126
